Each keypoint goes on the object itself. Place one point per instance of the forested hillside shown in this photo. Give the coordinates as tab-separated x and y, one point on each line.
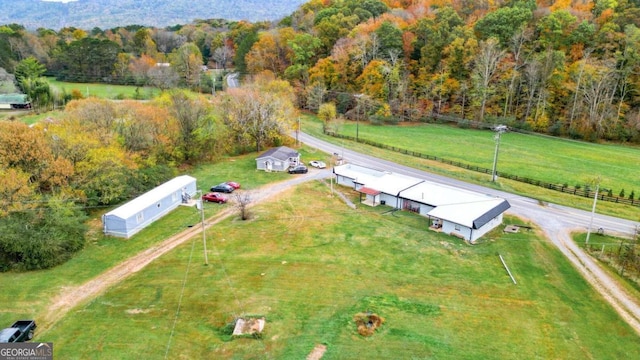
564	67
87	14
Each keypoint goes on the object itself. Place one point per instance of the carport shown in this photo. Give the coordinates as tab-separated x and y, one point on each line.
372	196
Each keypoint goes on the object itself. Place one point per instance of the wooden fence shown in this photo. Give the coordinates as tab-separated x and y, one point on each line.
588	193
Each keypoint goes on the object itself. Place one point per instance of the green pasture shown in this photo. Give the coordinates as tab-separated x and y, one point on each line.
548	159
106	91
308	264
30	117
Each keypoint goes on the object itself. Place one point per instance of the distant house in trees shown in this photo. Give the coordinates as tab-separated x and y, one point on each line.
130	218
278	159
14	101
466	214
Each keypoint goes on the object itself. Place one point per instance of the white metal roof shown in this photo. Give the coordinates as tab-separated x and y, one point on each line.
468	212
357	172
392	184
151	197
435	194
464	207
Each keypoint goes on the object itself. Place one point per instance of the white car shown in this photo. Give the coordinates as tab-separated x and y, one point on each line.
318	164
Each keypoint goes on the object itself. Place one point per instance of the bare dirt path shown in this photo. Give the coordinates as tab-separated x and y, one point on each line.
624	304
70	297
557	225
317	352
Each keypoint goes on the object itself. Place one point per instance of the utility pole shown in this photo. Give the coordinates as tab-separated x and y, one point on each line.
593	210
499	130
359	104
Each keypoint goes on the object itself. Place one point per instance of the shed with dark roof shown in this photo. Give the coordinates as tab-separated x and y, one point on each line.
278	159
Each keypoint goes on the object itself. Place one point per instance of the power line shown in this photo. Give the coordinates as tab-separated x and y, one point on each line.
184	283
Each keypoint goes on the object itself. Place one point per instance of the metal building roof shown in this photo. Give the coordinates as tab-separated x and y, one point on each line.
151	197
464	207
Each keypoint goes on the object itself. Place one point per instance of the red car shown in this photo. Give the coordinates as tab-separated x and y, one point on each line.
214	197
233	184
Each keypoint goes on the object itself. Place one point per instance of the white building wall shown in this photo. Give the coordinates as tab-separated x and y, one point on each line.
449	228
424	209
345	181
496	221
389	200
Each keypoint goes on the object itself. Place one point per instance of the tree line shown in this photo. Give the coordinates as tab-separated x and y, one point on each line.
567	68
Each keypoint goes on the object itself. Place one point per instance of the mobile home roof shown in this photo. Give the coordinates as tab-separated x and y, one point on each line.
151	197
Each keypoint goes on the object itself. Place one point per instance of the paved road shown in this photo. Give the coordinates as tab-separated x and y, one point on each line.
557	222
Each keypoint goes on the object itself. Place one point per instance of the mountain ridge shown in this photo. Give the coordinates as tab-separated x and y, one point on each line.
88	14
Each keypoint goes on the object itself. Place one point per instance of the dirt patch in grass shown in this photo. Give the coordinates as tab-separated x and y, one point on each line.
367	323
137	311
317	352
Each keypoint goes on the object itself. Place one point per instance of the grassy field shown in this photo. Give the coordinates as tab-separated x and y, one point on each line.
548	159
29	117
28	294
105	91
308	264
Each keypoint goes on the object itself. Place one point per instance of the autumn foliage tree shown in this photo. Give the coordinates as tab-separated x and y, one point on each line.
40	226
259	115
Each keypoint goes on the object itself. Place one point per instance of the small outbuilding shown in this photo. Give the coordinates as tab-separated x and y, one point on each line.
14	101
278	159
130	218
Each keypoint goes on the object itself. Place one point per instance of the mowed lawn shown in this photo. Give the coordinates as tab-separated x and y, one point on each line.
308	264
27	294
553	160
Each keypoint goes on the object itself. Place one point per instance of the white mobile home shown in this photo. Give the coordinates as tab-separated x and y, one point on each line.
128	219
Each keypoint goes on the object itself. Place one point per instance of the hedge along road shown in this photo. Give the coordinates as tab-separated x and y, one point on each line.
556	222
70	297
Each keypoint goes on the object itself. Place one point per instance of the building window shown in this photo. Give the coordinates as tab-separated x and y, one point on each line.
457	227
140	217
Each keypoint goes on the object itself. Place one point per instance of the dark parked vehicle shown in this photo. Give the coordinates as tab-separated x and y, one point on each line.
300	169
223	188
214	197
20	331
